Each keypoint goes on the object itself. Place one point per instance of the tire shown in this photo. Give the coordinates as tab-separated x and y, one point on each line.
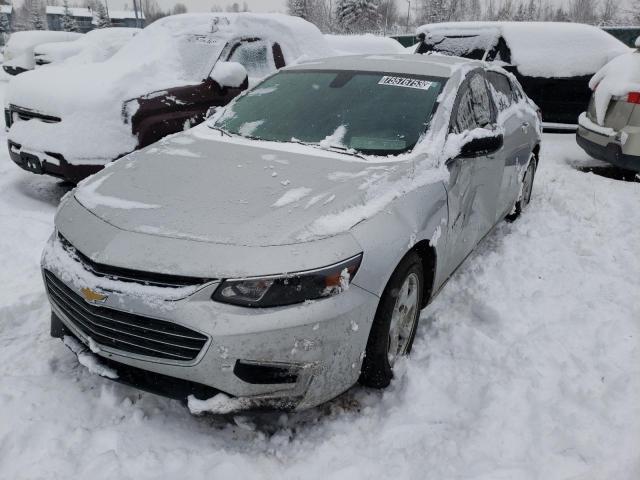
527	188
377	366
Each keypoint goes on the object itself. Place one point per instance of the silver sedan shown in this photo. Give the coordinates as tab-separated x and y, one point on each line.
282	251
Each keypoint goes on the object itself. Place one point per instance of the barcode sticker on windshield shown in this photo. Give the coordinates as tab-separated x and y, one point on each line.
405	82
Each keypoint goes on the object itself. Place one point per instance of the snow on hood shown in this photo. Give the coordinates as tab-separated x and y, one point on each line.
95	46
545	49
169	53
202	186
617	78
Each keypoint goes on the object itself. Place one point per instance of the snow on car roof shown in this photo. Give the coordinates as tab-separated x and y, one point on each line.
545	49
434	65
363	44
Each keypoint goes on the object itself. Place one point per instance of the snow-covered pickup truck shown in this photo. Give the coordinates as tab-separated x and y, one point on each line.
95	46
69	121
18	55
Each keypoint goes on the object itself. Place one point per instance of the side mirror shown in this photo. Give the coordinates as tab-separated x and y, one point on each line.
229	74
482	146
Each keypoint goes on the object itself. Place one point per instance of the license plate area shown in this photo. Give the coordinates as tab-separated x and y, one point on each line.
31	162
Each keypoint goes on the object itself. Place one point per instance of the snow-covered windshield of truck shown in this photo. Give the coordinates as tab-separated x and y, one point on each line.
367	112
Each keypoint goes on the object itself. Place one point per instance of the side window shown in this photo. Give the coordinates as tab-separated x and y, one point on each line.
255	56
474	105
481	102
500	86
465	116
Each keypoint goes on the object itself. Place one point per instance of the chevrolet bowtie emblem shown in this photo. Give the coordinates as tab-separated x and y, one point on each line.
91	295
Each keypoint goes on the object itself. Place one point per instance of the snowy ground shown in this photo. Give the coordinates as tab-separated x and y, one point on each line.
527	366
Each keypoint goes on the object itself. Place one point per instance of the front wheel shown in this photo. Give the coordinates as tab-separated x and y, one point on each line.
395	323
525	192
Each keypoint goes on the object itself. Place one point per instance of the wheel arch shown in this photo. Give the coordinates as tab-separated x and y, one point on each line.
428	257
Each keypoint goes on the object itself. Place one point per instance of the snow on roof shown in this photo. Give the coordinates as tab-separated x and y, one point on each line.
545	49
433	65
617	78
86	12
6	9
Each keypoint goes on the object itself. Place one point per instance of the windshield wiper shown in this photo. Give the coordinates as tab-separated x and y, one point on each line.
331	148
220	129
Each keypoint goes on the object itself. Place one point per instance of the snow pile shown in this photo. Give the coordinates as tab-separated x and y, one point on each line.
617	78
174	51
220	404
89	360
363	44
95	46
19	49
229	74
543	49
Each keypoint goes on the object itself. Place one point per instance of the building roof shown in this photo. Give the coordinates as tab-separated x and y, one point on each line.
86	12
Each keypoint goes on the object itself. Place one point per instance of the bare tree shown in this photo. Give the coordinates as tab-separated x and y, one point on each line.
179	8
609	12
583	11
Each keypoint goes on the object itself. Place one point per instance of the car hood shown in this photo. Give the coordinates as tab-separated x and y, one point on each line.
233	191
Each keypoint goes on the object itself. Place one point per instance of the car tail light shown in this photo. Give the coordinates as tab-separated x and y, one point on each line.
633	97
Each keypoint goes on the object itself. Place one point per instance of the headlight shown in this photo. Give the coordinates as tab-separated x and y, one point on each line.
287	289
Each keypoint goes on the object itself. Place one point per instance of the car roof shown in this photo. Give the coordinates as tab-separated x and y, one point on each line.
411	64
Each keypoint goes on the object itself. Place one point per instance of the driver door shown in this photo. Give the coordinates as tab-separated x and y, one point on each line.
474	182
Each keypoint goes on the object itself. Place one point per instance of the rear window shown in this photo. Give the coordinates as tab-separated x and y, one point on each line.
468	45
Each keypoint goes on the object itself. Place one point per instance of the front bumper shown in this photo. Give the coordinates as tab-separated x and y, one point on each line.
53	164
320	343
13	70
607	149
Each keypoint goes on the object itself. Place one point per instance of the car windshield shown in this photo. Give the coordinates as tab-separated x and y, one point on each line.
365	112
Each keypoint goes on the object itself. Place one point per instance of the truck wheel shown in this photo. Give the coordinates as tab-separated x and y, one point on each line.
527	187
395	323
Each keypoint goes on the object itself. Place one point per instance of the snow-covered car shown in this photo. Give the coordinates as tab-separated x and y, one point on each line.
94	46
610	129
18	54
283	249
553	61
363	44
71	120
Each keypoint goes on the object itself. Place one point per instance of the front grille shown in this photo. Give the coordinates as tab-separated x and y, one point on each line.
125	331
27	114
129	275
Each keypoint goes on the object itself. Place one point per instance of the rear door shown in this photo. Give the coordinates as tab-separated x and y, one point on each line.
516	148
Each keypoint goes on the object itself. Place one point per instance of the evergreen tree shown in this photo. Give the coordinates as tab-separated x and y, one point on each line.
100	16
521	13
505	13
35	16
67	21
561	15
298	8
357	15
